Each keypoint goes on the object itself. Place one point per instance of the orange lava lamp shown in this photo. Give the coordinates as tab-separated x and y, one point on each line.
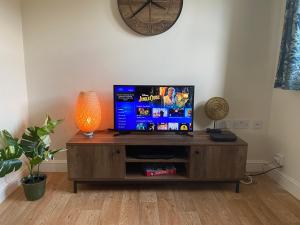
88	113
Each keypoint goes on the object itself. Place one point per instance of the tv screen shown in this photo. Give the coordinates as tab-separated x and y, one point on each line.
153	108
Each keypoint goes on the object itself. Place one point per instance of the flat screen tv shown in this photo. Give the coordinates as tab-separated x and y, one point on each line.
149	108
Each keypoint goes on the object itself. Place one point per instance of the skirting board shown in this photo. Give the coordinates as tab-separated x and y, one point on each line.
286	182
256	165
54	166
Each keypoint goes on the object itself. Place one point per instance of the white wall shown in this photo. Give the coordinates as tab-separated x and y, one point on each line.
220	46
283	133
284	137
13	97
284	129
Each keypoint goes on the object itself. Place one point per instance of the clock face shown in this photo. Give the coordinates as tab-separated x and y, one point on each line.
150	17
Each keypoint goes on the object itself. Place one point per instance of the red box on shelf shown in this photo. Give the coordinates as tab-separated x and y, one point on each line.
150	172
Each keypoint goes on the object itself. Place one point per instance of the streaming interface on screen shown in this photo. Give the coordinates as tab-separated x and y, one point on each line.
153	108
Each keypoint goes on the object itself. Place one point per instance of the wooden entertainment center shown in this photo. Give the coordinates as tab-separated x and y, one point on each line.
107	158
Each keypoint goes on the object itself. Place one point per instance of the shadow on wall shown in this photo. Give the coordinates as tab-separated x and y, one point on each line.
200	119
246	73
16	125
248	77
23	123
64	108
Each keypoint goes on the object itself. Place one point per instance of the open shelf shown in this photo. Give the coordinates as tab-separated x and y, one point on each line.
172	160
152	153
139	176
139	157
135	171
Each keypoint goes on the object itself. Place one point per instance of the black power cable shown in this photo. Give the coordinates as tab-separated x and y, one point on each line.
265	172
249	177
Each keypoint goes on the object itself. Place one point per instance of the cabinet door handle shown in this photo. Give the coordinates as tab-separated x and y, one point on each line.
197	152
118	152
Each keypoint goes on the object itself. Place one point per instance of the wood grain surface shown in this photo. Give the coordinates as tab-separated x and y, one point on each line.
150	17
263	203
105	157
107	137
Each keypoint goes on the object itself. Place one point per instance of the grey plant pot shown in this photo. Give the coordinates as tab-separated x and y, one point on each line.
34	191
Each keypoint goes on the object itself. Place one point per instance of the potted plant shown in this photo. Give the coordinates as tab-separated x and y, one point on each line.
35	145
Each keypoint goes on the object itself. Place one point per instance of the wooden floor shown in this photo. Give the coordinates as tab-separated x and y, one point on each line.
157	204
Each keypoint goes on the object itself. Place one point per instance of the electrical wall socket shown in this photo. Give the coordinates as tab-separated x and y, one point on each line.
241	124
229	124
221	124
279	159
224	124
257	124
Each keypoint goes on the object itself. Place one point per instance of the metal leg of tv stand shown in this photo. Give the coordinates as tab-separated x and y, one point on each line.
75	186
237	187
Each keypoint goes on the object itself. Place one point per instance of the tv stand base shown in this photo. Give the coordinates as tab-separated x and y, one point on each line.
106	158
75	184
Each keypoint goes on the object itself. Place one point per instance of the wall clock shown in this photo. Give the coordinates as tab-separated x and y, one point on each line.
150	17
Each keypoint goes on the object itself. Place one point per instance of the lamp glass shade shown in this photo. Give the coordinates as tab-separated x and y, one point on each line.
88	112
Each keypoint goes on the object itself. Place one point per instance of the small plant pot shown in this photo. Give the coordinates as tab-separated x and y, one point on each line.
34	188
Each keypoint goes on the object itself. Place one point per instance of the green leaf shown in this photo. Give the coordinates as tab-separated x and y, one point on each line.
36	160
12	149
9	155
50	125
8	139
35	143
58	150
49	155
46	140
42	132
29	142
9	166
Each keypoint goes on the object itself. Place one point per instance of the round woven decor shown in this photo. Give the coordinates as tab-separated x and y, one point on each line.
216	108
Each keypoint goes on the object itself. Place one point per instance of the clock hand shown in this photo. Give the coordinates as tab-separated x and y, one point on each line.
158	5
140	9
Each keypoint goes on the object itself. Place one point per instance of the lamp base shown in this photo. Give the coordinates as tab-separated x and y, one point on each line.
88	134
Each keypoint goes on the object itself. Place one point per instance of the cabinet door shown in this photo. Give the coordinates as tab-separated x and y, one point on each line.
218	162
96	162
